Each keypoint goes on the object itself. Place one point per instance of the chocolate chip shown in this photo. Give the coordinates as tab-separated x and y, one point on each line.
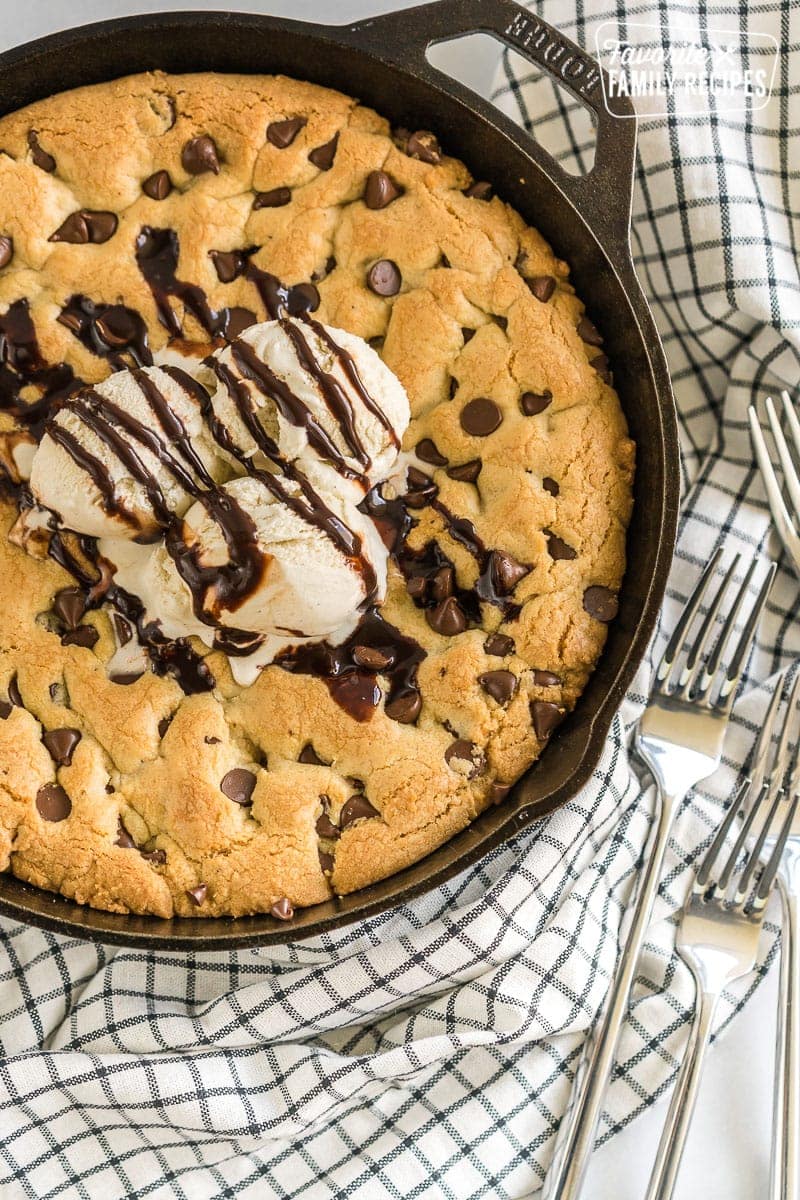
163	725
600	603
498	791
426	449
127	678
69	604
500	685
499	644
557	548
480	417
404	707
158	857
116	327
370	657
467	472
5	710
6	250
416	586
41	159
600	364
212	741
506	572
282	909
238	785
546	678
303	297
384	277
229	264
123	838
380	190
276	198
86	226
589	332
197	894
14	694
550	486
323	156
53	803
283	133
443	583
85	635
238	320
421	488
532	403
546	716
309	756
61	744
542	287
357	808
200	155
424	146
467	334
325	861
479	191
467	752
158	185
447	618
324	825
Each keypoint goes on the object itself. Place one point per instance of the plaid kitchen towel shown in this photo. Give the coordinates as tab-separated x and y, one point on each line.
429	1052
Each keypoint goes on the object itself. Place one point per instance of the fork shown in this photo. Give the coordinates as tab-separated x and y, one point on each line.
785	1180
679	737
718	939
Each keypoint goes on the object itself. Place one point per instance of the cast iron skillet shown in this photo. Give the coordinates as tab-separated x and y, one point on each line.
587	219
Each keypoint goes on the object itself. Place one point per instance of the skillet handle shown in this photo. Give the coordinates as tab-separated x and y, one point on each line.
604	194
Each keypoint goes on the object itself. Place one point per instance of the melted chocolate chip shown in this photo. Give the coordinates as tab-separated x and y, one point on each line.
69	605
85	635
404	707
282	909
238	785
499	645
546	716
126	679
324	826
163	725
500	685
283	133
371	658
480	417
238	320
61	743
276	198
600	364
426	449
158	185
200	155
600	603
5	710
14	694
230	264
498	791
384	277
479	191
557	548
323	156
532	403
424	146
53	803
542	287
86	226
6	250
357	808
421	488
467	472
41	159
309	756
546	678
197	894
210	740
550	486
325	861
464	751
447	618
506	572
123	838
380	190
589	332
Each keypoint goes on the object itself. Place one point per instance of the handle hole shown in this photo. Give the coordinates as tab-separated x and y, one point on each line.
562	125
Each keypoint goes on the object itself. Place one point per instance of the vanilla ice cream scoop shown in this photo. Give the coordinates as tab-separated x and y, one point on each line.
120	459
320	394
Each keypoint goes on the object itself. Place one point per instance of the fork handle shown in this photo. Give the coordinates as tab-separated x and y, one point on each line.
576	1135
684	1098
785	1172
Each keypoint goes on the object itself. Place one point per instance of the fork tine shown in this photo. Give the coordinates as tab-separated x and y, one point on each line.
787	466
684	621
758	761
727	871
712	853
700	642
712	666
793	785
780	514
754	857
781	760
773	862
727	691
792	420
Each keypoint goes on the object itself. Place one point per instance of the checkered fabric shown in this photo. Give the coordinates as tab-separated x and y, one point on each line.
429	1052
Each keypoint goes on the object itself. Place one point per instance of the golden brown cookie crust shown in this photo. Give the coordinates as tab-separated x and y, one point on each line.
466	324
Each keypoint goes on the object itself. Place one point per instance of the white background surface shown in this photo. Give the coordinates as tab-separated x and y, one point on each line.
728	1152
